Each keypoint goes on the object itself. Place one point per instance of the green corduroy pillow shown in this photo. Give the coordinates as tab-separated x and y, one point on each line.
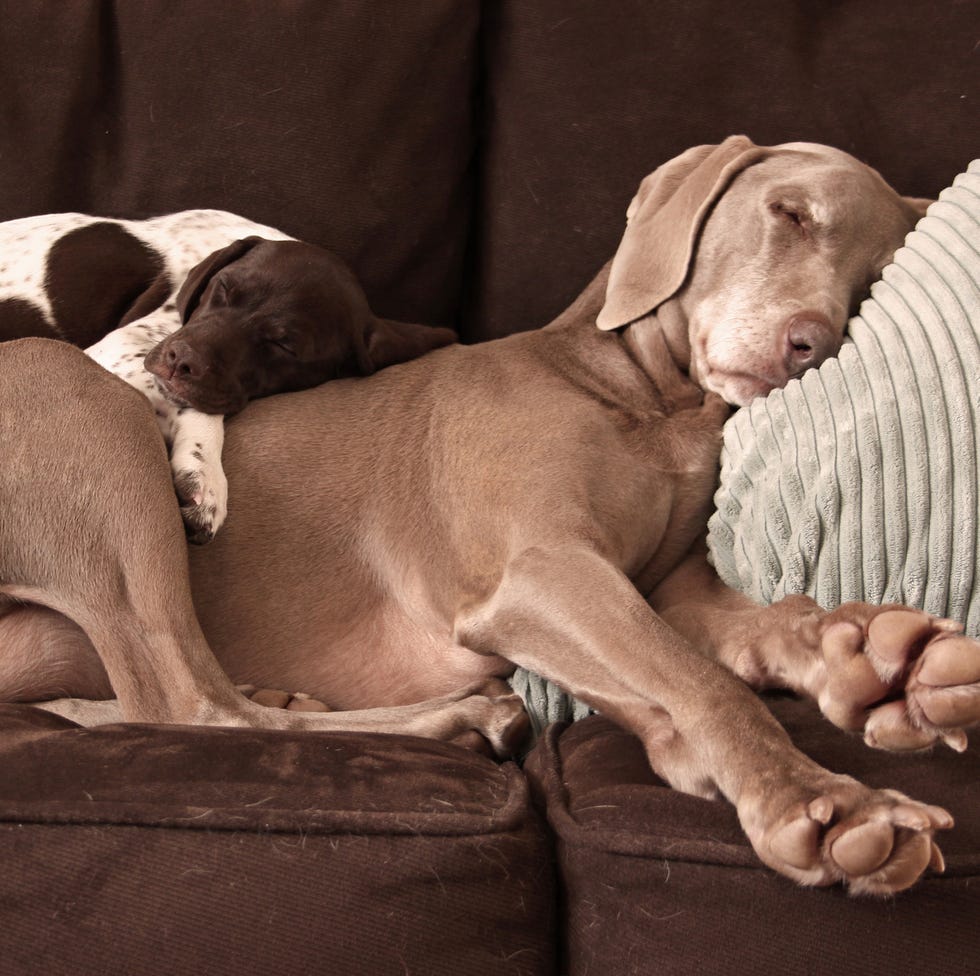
860	480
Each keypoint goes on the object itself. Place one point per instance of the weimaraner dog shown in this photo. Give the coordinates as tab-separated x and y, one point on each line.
538	501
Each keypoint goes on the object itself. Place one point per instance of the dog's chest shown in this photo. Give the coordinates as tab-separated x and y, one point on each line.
667	496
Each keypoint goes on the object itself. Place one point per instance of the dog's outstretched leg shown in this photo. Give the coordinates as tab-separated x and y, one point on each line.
904	678
703	730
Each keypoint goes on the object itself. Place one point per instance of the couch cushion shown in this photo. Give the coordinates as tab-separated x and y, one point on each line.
656	881
583	99
137	849
338	121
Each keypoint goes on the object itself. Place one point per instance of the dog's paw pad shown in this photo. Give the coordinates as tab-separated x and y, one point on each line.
894	637
795	843
875	842
304	703
275	698
473	741
863	849
203	504
906	678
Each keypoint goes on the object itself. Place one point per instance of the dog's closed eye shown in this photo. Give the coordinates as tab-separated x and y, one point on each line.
791	213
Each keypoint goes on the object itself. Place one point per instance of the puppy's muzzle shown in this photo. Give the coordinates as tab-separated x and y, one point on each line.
186	375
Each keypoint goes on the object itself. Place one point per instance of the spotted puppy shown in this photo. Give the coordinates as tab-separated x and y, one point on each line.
207	310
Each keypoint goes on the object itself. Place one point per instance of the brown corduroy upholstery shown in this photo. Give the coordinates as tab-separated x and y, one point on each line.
148	850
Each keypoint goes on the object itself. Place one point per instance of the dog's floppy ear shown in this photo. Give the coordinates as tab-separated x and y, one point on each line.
199	276
663	223
387	342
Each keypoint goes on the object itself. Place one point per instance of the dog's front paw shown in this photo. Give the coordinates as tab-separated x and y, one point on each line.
202	492
875	842
907	679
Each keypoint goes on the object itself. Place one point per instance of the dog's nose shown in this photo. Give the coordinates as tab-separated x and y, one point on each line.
810	339
183	362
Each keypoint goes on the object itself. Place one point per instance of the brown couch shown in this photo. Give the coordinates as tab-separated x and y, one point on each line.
474	162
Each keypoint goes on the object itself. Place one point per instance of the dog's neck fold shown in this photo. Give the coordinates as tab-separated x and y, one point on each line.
658	343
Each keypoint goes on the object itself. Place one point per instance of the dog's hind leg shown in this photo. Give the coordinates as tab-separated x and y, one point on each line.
89	528
44	655
486	717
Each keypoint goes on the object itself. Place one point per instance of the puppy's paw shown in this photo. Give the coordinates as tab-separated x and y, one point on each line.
202	492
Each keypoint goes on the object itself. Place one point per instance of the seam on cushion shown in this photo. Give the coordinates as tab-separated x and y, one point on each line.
512	813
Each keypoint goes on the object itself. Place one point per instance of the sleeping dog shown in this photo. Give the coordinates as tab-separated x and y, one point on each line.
244	311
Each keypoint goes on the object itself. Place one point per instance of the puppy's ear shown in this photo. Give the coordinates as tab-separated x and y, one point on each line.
663	223
199	276
387	343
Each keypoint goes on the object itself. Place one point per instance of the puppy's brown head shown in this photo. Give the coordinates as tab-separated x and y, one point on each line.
263	317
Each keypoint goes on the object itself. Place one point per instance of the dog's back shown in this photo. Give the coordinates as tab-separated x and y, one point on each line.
465	453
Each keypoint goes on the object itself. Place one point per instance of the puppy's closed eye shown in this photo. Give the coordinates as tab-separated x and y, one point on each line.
279	339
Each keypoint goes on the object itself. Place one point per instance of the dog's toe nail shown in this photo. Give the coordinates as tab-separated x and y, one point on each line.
821	809
956	739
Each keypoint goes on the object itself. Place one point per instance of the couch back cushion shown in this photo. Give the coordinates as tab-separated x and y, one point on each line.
344	122
583	99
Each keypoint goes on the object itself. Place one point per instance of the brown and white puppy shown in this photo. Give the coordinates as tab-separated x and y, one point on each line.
259	317
255	313
262	317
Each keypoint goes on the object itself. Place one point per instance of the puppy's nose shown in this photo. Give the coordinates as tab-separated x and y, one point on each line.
810	339
183	362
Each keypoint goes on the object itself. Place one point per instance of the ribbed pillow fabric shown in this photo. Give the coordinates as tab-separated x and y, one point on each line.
860	481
